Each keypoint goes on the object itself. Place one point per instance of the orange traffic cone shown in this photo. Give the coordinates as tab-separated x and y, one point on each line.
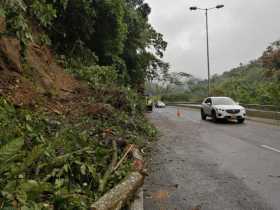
178	113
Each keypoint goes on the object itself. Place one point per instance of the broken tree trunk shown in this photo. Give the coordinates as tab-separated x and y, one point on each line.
116	197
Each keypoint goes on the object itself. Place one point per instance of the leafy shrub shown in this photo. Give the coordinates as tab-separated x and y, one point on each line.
96	75
44	40
17	25
13	4
48	163
43	11
2	12
121	98
16	13
80	56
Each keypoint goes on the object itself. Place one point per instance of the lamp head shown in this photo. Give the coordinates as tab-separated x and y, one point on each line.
219	6
193	8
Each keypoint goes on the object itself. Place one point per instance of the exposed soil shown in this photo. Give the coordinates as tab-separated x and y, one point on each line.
35	80
2	24
10	54
39	82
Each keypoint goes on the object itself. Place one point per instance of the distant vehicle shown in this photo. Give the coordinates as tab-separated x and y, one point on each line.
149	102
160	104
222	108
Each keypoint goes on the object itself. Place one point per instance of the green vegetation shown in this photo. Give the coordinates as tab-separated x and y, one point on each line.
250	85
175	97
55	160
112	33
51	162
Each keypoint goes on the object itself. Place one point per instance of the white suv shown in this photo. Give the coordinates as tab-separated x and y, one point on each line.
222	108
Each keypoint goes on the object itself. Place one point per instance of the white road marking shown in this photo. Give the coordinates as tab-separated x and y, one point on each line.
271	148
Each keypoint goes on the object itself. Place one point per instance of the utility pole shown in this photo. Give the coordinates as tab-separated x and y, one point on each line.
207	41
208	56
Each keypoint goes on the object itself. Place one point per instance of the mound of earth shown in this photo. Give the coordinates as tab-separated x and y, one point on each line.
38	82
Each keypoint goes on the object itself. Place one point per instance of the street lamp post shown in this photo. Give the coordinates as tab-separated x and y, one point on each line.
207	39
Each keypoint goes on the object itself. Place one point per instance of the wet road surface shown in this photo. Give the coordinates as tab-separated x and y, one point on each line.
212	166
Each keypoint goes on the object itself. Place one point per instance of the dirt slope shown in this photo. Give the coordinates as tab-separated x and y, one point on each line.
38	82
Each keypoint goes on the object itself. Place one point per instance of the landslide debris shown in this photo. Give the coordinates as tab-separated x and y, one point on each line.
57	132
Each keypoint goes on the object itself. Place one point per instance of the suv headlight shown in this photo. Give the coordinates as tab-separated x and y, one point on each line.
221	110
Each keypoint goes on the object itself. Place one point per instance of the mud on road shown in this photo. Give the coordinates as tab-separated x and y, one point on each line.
201	165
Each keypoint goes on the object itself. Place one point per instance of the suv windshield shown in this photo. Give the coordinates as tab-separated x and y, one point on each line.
223	101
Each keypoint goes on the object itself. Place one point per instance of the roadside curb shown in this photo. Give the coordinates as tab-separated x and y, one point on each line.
138	203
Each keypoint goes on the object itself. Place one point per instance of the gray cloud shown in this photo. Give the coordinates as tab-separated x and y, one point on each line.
238	33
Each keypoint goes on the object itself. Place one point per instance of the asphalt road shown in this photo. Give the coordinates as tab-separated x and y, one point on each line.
212	166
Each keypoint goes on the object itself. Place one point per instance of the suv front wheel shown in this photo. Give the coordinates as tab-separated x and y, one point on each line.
241	120
214	116
203	115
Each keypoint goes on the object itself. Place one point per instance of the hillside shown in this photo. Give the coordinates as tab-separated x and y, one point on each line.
69	98
249	84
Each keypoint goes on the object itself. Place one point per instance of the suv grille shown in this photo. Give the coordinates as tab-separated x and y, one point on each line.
233	111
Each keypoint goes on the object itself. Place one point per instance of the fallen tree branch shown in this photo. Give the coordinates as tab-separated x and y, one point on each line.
110	170
116	197
124	156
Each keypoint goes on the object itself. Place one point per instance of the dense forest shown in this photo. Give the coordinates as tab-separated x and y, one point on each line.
72	76
88	33
255	83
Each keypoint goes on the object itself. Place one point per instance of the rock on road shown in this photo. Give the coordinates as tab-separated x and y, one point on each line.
201	165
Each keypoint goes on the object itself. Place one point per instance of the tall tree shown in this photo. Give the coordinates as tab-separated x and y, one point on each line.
271	57
142	41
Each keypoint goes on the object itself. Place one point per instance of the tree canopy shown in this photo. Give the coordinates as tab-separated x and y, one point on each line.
108	33
116	31
271	57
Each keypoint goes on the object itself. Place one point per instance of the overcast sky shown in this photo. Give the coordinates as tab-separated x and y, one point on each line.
239	32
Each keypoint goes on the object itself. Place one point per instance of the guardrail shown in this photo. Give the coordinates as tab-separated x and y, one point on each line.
251	112
261	107
248	106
